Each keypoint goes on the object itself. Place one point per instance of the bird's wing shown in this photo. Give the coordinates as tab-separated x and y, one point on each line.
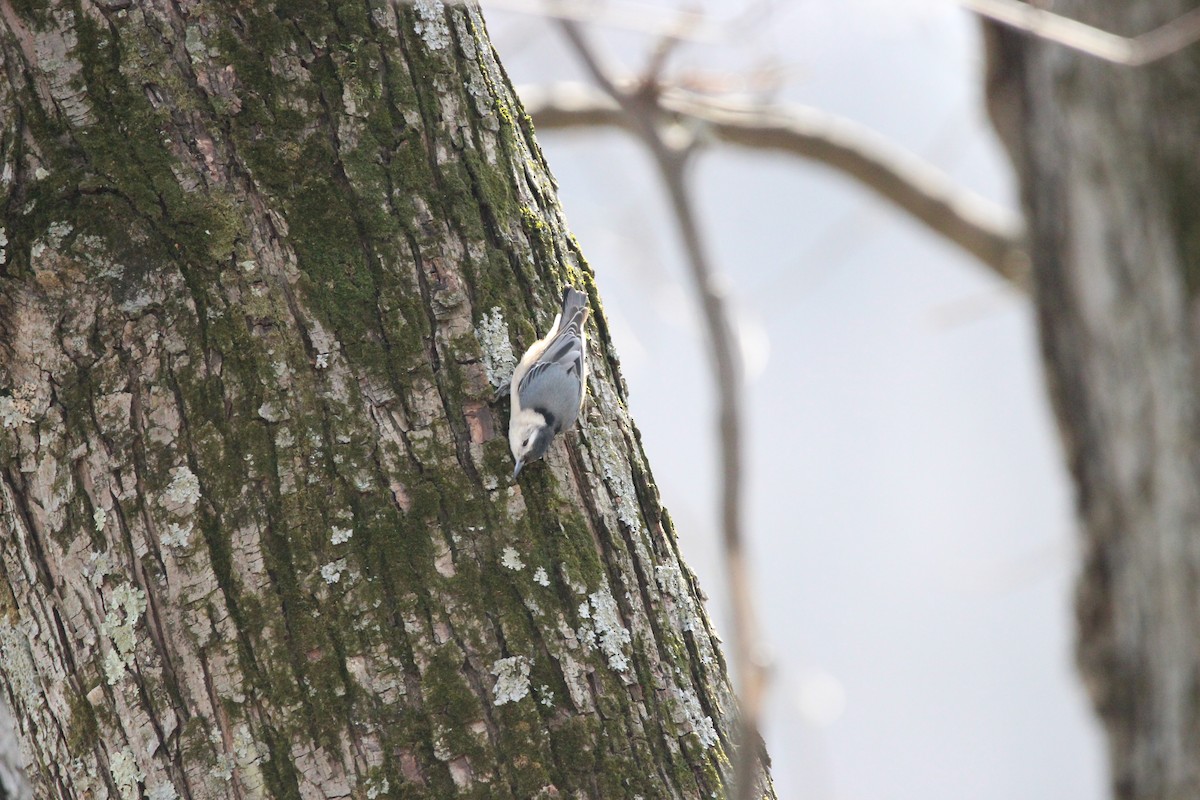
565	347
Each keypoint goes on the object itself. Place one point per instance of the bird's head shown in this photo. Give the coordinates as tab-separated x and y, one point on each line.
529	437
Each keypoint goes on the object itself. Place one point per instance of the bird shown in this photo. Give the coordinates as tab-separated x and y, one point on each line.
547	386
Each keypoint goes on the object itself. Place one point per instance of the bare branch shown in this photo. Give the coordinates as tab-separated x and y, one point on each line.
641	109
1137	51
990	232
632	16
600	72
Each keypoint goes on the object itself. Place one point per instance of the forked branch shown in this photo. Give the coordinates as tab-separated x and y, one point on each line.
989	232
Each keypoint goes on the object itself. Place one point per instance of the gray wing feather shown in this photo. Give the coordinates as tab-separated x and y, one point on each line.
558	372
556	393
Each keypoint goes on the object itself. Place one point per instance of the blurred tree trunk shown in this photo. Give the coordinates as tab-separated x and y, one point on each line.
13	785
261	266
1109	167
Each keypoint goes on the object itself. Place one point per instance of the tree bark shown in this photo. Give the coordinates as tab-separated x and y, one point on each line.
1110	179
262	267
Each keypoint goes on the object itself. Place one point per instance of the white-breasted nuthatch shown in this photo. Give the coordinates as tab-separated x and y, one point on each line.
547	387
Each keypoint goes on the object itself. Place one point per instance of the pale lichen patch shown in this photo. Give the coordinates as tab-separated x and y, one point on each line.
114	667
612	635
540	577
622	488
50	242
56	233
273	412
332	572
128	605
511	559
614	460
223	769
671	582
701	724
99	565
19	667
13	412
183	492
126	774
177	535
248	757
499	361
431	25
514	507
340	535
99	518
512	679
163	791
477	83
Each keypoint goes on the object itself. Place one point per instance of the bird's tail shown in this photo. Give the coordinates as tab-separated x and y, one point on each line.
574	311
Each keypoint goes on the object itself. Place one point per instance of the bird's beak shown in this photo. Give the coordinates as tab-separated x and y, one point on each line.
518	469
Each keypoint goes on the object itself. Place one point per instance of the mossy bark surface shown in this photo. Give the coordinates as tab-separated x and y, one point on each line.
261	267
1107	159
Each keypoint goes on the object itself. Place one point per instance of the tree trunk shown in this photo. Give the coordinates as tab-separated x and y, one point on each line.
1110	178
261	268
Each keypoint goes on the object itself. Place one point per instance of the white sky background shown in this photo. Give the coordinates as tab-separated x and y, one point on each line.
909	513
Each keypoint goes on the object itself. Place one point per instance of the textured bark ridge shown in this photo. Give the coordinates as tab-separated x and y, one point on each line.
1109	171
261	267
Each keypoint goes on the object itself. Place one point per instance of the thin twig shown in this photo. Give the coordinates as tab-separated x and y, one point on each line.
989	232
657	63
1137	51
672	162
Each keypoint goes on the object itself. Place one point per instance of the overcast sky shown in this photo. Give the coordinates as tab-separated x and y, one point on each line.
911	522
